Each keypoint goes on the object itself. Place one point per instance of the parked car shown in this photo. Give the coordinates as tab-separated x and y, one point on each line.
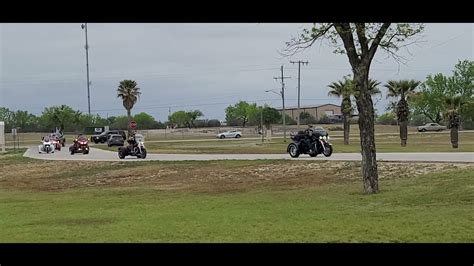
431	127
115	140
229	134
104	136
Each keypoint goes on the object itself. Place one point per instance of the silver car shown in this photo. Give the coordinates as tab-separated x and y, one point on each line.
431	127
115	140
229	134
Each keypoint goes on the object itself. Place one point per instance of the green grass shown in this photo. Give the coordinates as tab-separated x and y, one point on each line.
428	208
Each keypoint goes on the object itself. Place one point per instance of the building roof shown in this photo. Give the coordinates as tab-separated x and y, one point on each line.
307	106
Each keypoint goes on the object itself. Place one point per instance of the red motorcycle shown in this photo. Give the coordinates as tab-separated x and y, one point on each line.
81	144
56	142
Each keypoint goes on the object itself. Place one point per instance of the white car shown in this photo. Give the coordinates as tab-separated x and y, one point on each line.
230	134
431	127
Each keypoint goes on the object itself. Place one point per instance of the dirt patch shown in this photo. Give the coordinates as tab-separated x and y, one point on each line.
210	177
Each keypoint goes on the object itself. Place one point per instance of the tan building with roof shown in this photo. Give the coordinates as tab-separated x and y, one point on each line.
317	111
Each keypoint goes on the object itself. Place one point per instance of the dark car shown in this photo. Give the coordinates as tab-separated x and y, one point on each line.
115	140
104	136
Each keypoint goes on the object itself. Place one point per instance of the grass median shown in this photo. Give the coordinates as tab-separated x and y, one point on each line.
232	201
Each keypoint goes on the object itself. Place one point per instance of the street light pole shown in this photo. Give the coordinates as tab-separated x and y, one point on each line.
84	26
261	123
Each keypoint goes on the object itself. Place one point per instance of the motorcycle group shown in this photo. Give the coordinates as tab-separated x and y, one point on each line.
54	141
309	141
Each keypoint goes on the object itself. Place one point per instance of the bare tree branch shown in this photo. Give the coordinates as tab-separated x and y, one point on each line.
298	44
377	40
344	31
361	36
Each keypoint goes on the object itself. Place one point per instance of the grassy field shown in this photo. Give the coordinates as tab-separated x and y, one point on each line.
232	201
425	142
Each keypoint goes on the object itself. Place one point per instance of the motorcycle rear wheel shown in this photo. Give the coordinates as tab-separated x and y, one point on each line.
121	154
293	151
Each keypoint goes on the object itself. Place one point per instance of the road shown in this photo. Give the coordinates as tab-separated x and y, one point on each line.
103	155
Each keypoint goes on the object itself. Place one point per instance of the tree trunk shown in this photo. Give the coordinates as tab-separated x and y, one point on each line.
367	135
347	128
454	137
403	133
129	114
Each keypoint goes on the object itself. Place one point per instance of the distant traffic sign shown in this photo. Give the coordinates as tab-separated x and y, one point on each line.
133	124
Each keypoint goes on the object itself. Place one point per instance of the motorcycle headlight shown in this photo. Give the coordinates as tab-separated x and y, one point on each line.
328	137
320	137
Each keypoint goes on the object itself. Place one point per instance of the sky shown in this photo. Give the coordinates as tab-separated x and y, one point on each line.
183	66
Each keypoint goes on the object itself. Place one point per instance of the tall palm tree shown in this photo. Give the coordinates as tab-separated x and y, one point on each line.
402	89
129	92
451	114
343	89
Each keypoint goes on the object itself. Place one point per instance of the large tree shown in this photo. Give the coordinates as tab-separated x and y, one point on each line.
269	115
193	116
429	101
360	42
129	93
241	111
59	116
402	89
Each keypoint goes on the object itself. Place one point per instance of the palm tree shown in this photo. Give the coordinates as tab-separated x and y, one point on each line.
343	89
129	92
452	105
402	89
373	87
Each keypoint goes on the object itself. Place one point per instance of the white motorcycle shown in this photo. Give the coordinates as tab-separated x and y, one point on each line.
46	146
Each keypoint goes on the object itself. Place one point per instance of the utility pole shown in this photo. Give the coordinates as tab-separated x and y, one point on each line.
299	68
261	122
282	93
84	26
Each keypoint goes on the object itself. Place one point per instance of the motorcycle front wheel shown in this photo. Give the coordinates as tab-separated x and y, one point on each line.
143	156
328	150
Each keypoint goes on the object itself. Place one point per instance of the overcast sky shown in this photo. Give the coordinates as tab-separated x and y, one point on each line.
192	66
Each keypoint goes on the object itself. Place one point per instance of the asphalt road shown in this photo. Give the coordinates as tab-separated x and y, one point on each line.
103	155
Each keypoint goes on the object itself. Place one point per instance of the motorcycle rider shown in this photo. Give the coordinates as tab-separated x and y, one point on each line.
132	141
308	139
